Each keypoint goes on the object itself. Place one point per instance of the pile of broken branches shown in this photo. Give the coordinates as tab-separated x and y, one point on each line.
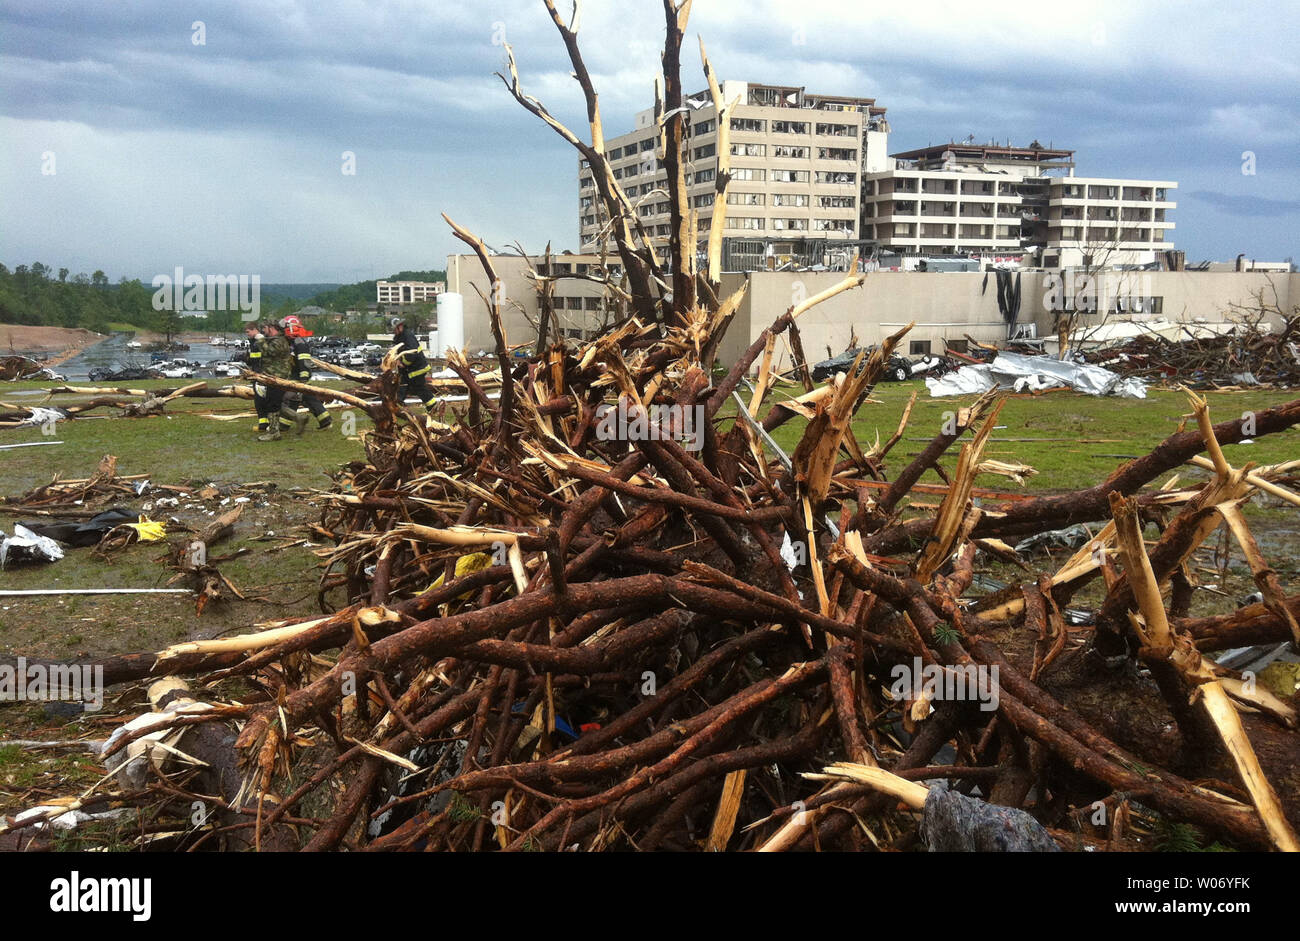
1247	356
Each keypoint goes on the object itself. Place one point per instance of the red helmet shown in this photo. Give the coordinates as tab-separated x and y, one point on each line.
293	327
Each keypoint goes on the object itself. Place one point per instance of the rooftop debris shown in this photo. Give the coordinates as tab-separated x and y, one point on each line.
601	612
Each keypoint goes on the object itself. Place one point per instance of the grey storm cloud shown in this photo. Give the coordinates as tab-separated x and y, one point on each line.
1243	205
245	132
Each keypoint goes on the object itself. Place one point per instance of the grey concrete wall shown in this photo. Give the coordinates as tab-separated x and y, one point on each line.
952	305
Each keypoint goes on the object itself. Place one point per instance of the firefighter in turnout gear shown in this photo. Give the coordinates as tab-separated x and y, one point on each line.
277	360
297	335
412	364
254	360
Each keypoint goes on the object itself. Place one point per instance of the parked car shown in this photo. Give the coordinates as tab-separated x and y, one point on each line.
898	369
121	374
225	368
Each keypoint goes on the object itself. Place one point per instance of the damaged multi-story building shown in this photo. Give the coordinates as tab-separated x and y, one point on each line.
1000	200
797	161
812	183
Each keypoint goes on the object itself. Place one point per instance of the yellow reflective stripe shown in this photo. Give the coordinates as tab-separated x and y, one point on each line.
419	372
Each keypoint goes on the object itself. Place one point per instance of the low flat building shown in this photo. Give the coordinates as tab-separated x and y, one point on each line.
579	307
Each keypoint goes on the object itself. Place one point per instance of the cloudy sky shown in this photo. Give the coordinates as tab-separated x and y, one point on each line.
226	155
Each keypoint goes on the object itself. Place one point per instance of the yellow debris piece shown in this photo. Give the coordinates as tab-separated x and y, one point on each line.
148	530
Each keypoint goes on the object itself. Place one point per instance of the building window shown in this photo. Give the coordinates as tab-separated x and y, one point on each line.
705	176
833	225
789	199
748	124
836	130
749	150
647	144
790	225
745	199
835	202
837	153
745	222
705	150
748	174
789	127
702	201
704	127
789	176
918	348
829	176
790	153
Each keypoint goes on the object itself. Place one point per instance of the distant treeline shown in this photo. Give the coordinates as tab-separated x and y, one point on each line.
39	295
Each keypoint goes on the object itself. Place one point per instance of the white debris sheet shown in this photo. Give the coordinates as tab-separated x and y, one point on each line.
26	546
1033	374
44	416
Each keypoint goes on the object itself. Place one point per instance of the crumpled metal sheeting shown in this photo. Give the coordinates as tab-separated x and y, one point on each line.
1021	373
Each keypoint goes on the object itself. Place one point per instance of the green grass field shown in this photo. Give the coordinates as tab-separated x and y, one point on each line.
1073	440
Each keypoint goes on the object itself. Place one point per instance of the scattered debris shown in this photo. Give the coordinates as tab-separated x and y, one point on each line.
1248	355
